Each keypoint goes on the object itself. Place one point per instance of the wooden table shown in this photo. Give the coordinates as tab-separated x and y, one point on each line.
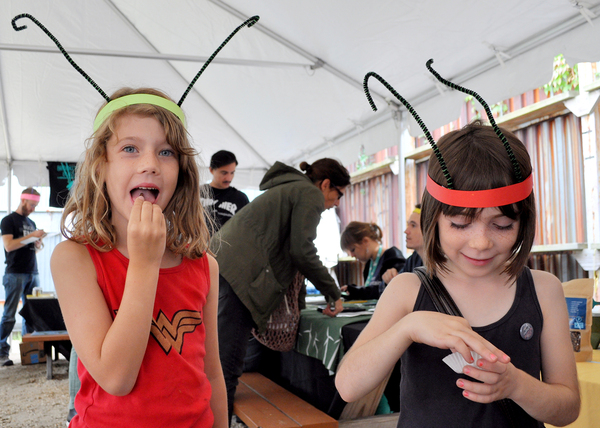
588	374
50	339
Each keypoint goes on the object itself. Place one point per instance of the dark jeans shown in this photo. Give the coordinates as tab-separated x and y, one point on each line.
235	326
16	286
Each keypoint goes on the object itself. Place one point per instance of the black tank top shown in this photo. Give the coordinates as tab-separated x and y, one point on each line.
429	396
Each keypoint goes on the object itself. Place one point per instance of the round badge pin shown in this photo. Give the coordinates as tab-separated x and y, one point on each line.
526	331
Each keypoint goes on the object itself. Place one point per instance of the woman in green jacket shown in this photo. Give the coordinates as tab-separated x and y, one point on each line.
264	245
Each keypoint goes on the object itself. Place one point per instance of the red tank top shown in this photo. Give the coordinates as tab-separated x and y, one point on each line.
172	389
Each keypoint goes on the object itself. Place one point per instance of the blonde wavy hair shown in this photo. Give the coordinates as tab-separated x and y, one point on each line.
86	218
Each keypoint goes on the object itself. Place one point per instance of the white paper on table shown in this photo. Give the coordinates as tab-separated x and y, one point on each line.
355	314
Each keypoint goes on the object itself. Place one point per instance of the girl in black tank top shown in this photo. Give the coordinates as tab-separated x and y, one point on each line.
478	222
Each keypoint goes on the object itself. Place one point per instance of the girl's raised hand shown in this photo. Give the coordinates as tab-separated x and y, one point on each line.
146	232
450	332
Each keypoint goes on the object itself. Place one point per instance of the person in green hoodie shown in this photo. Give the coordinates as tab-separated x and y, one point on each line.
260	250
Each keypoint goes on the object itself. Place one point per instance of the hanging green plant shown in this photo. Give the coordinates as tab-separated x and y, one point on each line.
564	77
363	159
497	109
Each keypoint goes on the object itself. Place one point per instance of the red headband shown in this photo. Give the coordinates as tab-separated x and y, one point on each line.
481	198
30	196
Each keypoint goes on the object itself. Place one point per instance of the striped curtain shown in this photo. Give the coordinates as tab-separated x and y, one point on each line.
557	160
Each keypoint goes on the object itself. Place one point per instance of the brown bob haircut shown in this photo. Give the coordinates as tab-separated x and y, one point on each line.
477	160
356	231
87	215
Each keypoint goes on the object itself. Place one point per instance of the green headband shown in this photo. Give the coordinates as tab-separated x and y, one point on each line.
133	99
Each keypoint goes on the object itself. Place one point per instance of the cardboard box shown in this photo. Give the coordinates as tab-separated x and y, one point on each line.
32	353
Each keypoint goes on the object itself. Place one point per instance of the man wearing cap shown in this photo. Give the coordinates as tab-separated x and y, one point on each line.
21	274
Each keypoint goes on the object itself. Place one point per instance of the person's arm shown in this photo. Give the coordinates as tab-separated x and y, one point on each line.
392	259
212	362
379	341
355	292
554	399
391	263
112	351
388	275
306	215
393	328
12	244
39	245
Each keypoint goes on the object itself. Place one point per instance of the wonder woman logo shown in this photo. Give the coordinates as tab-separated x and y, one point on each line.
169	334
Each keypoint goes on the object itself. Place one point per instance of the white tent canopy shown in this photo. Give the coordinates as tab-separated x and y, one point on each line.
287	89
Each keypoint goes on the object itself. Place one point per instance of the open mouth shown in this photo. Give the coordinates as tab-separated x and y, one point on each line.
150	194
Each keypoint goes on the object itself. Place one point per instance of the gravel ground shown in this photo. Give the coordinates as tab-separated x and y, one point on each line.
30	400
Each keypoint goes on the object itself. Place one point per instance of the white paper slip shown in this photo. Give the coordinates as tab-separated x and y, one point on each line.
29	240
33	238
456	361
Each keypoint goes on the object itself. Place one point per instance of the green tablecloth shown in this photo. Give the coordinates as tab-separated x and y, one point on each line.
320	336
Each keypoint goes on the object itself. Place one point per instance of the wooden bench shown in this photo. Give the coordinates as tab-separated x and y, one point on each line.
259	402
49	339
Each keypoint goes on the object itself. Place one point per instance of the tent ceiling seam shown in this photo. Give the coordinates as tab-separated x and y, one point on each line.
148	55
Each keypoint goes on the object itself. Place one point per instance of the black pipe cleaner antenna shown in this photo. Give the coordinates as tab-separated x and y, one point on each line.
511	155
249	22
62	50
414	114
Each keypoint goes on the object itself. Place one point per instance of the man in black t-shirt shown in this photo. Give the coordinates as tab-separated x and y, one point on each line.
21	241
219	198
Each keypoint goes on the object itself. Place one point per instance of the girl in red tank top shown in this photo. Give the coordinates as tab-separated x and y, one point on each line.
138	292
137	289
